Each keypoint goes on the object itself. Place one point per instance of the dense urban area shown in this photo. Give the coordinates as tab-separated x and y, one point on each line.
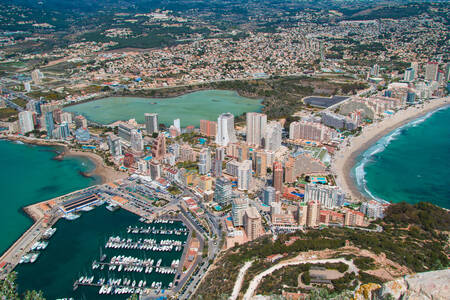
266	198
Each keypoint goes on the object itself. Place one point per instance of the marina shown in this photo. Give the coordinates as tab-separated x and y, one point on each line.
109	255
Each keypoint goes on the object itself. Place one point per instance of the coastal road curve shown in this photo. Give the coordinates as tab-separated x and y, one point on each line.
295	261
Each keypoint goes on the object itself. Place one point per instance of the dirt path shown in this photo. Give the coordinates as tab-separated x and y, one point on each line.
239	280
295	261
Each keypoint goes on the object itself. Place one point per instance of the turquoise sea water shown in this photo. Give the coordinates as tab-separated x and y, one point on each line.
29	175
190	108
412	163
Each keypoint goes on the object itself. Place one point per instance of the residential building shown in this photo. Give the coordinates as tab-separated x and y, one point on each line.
208	128
223	191
245	175
49	124
26	121
310	131
225	130
273	136
431	71
137	143
277	176
204	161
151	123
115	146
313	214
238	210
252	223
159	147
256	128
268	195
328	196
80	122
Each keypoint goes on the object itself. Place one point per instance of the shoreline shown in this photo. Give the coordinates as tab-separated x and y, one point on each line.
104	172
346	157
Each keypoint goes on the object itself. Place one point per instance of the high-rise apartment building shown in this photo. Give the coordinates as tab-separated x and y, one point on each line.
238	210
223	191
327	196
268	195
159	147
49	124
259	160
245	175
431	71
151	122
313	214
26	122
137	143
204	161
80	122
225	130
115	146
252	223
278	176
273	136
256	128
208	128
409	75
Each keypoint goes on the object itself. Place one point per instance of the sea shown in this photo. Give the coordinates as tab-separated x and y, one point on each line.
77	244
411	163
190	108
30	174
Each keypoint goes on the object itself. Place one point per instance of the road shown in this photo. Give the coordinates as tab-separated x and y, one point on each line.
239	280
295	261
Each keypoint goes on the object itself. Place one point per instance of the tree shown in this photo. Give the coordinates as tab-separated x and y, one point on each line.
8	290
133	297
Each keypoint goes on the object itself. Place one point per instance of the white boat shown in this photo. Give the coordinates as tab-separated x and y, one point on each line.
71	216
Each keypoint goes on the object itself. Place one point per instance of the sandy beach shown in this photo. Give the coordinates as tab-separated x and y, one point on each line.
106	173
344	159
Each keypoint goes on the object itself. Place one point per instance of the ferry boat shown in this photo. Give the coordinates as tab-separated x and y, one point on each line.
112	207
87	208
71	216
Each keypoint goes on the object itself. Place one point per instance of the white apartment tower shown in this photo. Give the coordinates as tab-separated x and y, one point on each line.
151	122
225	130
244	175
26	123
272	138
256	128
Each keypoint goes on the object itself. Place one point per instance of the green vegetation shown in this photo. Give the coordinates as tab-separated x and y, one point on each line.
174	190
364	263
50	95
8	113
20	102
415	240
281	94
8	290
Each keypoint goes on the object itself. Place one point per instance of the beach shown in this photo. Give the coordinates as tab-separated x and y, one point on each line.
345	158
106	173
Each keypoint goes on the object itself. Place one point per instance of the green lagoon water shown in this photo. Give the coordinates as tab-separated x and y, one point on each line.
412	163
190	108
30	175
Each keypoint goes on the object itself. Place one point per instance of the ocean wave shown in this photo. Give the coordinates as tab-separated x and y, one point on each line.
380	146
